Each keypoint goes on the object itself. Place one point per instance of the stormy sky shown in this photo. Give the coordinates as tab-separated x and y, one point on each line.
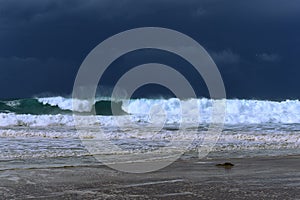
255	44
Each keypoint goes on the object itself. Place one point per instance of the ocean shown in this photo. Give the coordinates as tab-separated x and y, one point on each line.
42	132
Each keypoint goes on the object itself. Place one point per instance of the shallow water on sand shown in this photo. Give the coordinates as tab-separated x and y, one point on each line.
54	146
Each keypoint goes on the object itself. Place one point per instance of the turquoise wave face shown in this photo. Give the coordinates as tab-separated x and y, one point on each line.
35	107
105	108
29	106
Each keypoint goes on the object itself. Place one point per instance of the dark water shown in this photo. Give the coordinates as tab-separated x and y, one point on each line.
35	107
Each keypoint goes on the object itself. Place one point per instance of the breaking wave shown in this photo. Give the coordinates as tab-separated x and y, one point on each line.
58	110
58	105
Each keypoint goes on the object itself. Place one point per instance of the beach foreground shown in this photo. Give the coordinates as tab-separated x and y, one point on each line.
250	178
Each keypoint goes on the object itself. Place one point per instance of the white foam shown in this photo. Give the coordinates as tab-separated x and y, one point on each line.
251	125
68	103
27	120
237	111
53	142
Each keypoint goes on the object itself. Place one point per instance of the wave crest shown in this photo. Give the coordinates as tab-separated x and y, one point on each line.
237	111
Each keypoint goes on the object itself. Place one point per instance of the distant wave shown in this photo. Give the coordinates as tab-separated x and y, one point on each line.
57	105
29	106
237	111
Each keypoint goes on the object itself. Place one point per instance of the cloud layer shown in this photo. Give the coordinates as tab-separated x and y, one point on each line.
251	41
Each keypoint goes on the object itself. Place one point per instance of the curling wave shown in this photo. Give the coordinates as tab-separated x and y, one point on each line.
58	110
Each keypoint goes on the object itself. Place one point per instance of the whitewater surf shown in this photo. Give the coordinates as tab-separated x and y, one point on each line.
45	127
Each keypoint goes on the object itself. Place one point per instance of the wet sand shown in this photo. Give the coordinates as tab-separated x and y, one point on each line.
250	178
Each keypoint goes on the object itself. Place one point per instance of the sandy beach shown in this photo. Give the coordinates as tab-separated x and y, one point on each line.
250	178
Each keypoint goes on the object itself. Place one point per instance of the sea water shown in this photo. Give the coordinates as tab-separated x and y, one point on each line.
43	132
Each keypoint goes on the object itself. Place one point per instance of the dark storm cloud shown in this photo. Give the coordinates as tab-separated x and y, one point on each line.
38	10
20	76
33	28
48	39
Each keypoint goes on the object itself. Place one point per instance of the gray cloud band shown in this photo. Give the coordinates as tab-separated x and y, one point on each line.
109	50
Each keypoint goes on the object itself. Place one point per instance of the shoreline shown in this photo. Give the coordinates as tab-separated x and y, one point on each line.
250	178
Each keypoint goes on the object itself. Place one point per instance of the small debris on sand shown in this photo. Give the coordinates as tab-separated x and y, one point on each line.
226	165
